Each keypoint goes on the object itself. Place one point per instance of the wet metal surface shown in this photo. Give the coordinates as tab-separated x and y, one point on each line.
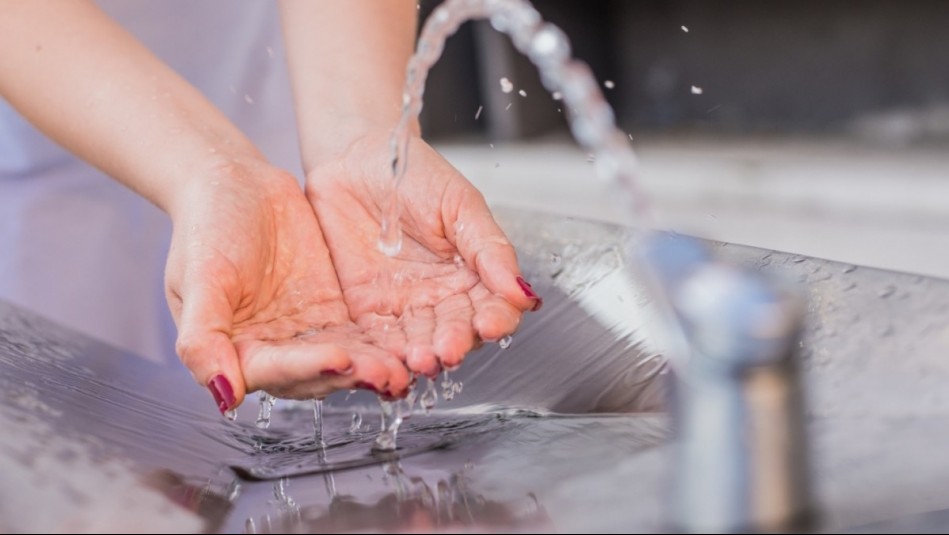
557	432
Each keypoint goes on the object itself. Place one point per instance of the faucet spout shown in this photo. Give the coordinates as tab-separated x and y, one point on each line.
740	455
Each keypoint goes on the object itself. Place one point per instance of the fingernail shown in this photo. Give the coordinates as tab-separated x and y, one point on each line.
537	304
222	392
367	386
334	373
530	293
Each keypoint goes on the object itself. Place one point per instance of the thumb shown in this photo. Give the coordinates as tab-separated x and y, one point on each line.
204	343
485	247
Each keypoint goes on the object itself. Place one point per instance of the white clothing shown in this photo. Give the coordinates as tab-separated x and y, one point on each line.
78	247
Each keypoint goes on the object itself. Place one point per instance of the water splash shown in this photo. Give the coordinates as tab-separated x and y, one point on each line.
450	388
391	420
356	425
266	407
505	342
591	119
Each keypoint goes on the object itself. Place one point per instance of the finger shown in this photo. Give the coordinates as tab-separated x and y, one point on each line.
399	379
454	334
419	326
494	316
276	367
204	343
487	250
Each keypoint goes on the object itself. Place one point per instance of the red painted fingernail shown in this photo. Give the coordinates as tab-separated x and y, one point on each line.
222	392
334	373
367	386
530	293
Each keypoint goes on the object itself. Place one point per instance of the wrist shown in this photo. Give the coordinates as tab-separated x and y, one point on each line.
200	181
339	132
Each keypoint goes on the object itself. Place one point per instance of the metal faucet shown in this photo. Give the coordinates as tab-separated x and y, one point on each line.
740	461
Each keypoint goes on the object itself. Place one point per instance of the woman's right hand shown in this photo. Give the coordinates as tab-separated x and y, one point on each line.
256	298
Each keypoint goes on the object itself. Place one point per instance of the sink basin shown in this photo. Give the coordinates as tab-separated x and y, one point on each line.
562	431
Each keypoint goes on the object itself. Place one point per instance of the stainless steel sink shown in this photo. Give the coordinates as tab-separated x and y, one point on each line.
563	431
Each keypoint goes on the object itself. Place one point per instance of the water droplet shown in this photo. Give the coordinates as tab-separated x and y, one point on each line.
266	406
609	84
505	342
478	113
556	262
886	291
849	269
506	85
231	414
458	261
430	397
684	29
356	424
798	259
557	95
522	93
248	99
269	51
446	386
630	137
508	106
697	90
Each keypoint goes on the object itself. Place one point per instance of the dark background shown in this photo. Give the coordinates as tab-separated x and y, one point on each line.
765	67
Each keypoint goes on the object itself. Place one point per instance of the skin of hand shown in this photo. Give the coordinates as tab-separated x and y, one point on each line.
249	280
432	308
455	281
252	289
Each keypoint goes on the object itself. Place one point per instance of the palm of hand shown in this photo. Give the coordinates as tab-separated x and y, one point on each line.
254	293
454	282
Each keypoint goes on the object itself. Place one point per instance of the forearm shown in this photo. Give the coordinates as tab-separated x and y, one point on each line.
89	85
347	62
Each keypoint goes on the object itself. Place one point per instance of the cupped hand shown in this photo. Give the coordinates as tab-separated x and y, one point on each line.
255	296
455	281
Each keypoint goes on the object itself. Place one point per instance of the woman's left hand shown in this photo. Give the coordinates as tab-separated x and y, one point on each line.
455	281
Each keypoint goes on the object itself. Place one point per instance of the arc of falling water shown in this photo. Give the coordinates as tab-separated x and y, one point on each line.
591	119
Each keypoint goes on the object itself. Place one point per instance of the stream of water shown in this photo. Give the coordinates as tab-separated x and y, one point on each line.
592	124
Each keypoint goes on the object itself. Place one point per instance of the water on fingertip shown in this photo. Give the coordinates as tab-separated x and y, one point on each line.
505	342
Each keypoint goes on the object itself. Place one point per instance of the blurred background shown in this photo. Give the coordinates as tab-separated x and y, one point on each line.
818	128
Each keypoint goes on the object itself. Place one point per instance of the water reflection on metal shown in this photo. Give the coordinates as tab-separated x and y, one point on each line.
85	428
411	504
